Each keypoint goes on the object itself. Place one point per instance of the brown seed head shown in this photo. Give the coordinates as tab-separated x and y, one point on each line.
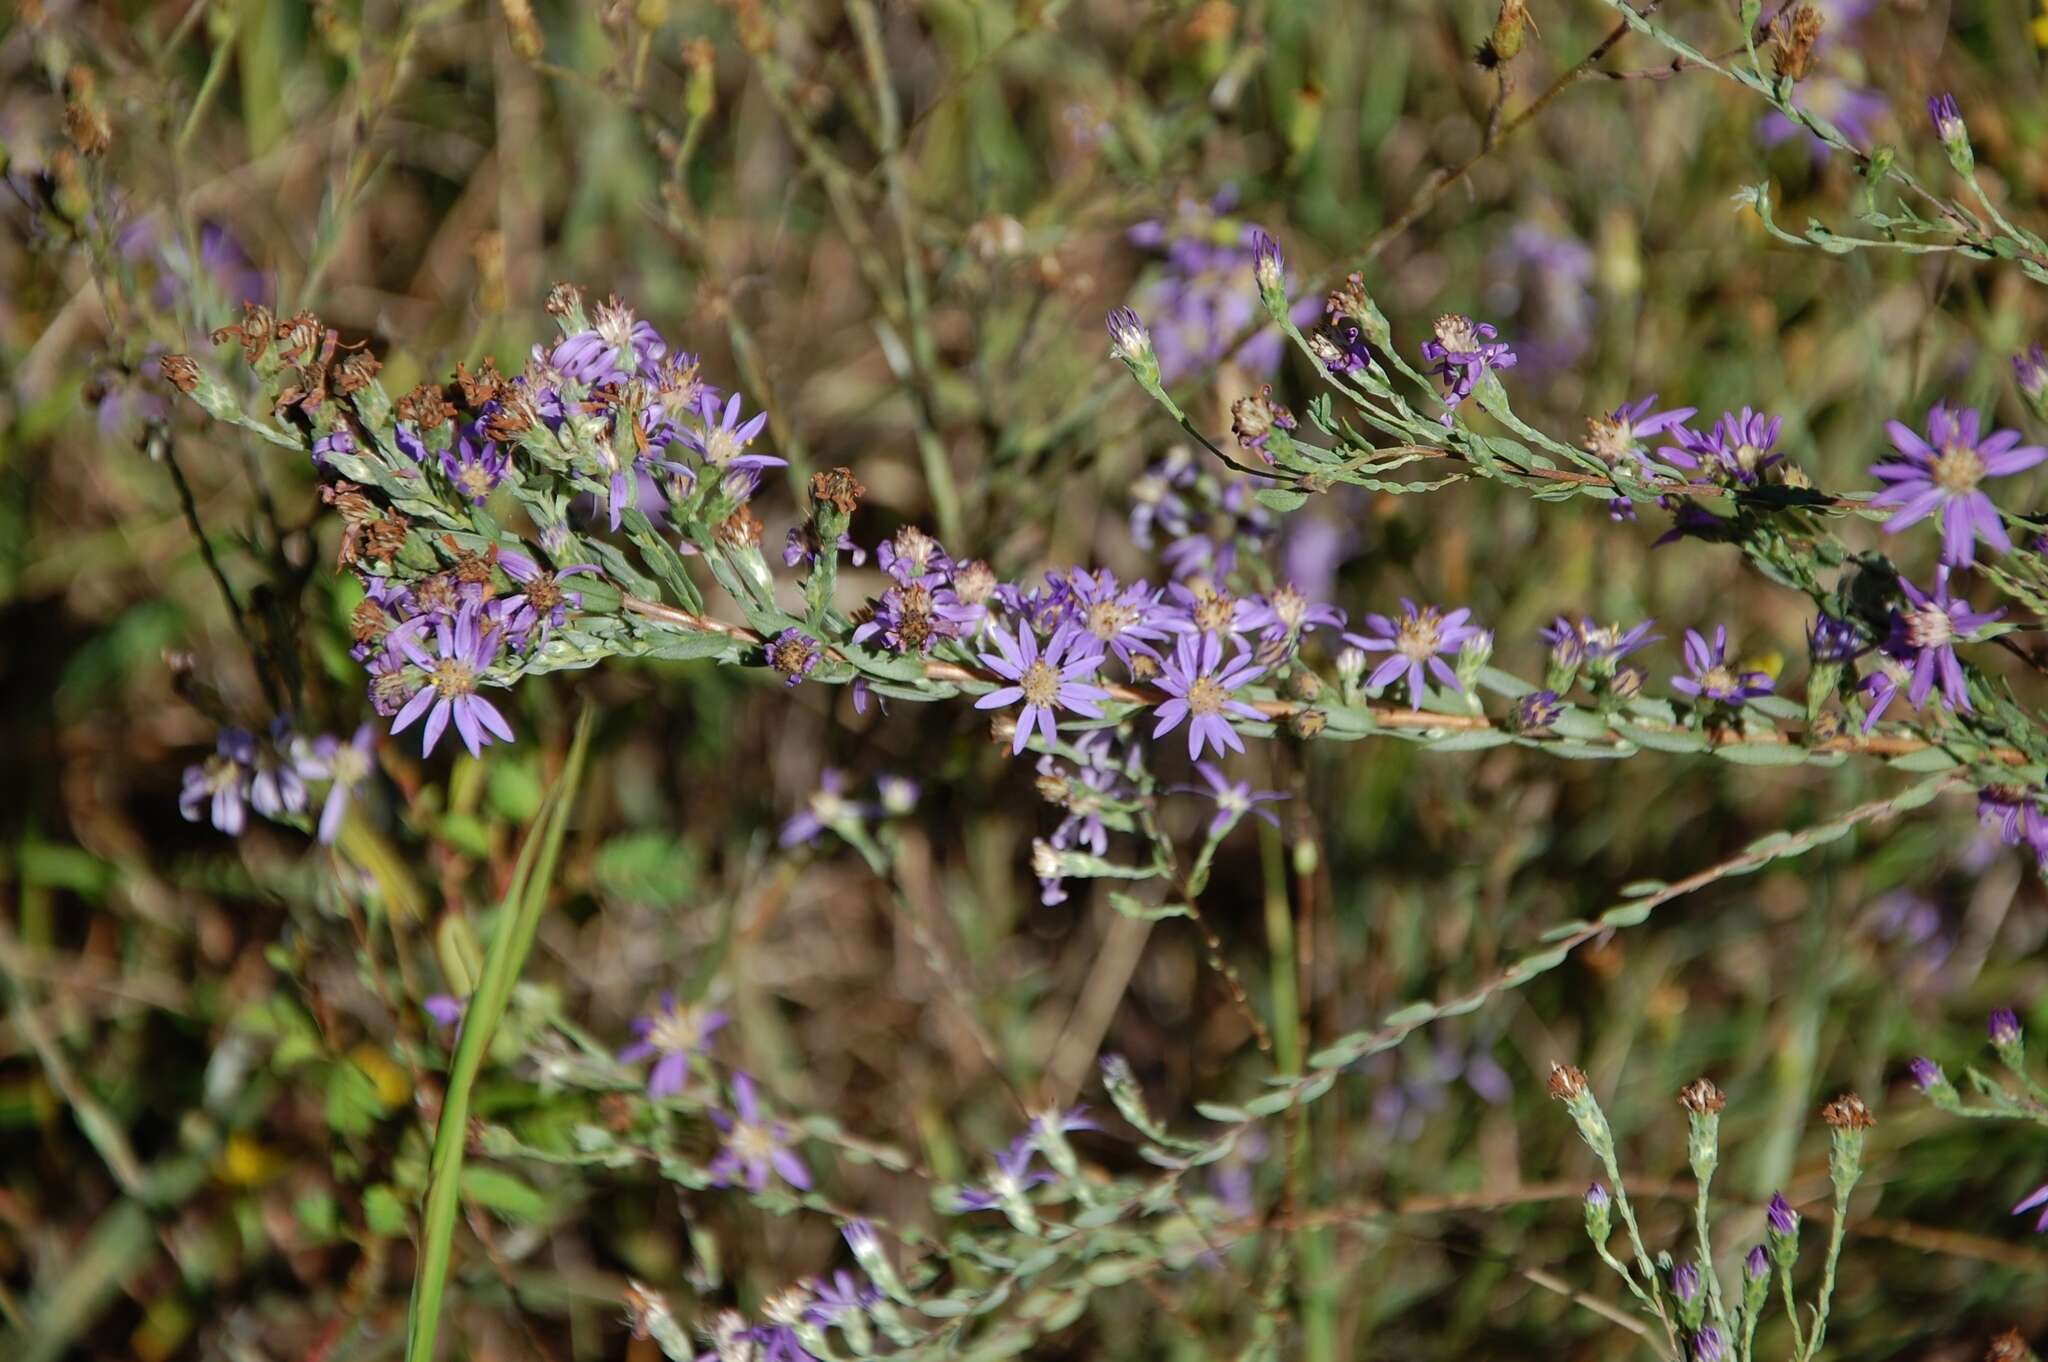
563	299
1308	723
1793	38
839	487
356	371
1847	1112
1567	1081
179	371
1701	1097
742	529
384	537
481	387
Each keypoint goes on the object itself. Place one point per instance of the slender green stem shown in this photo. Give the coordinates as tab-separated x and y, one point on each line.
1827	1276
1716	1310
1791	1308
518	920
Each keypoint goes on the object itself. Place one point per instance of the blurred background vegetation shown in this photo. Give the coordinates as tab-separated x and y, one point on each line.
896	225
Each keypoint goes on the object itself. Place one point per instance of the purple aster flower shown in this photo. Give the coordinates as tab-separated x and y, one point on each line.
914	616
1738	446
1538	712
1421	638
1269	265
346	766
276	789
1942	473
1047	1127
1086	791
615	346
2037	1197
475	465
838	1296
1619	435
340	440
1853	109
1685	1282
2003	1027
1780	1216
2017	815
465	649
721	439
1830	639
827	807
794	653
1706	1344
1947	117
2030	371
445	1008
220	784
1927	1075
1044	682
676	387
756	1146
1202	688
674	1032
1461	353
910	554
1234	799
1013	1176
1713	677
1111	616
1601	645
1202	609
542	595
1288	614
1926	632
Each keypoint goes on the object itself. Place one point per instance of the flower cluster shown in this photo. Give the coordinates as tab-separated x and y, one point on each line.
275	775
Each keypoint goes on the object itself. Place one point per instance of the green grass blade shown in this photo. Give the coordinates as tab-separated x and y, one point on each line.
519	919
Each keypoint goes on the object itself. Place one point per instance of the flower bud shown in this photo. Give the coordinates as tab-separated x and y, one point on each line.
1599	1214
1130	342
1269	268
1508	29
2031	371
2004	1028
1947	117
1927	1076
1472	659
1537	713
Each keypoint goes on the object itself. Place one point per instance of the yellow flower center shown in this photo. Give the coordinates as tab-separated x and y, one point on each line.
1040	684
452	677
1206	696
1958	469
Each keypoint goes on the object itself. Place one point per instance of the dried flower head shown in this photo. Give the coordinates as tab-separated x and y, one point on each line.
1847	1112
838	487
1701	1097
179	371
1567	1082
564	300
1793	38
